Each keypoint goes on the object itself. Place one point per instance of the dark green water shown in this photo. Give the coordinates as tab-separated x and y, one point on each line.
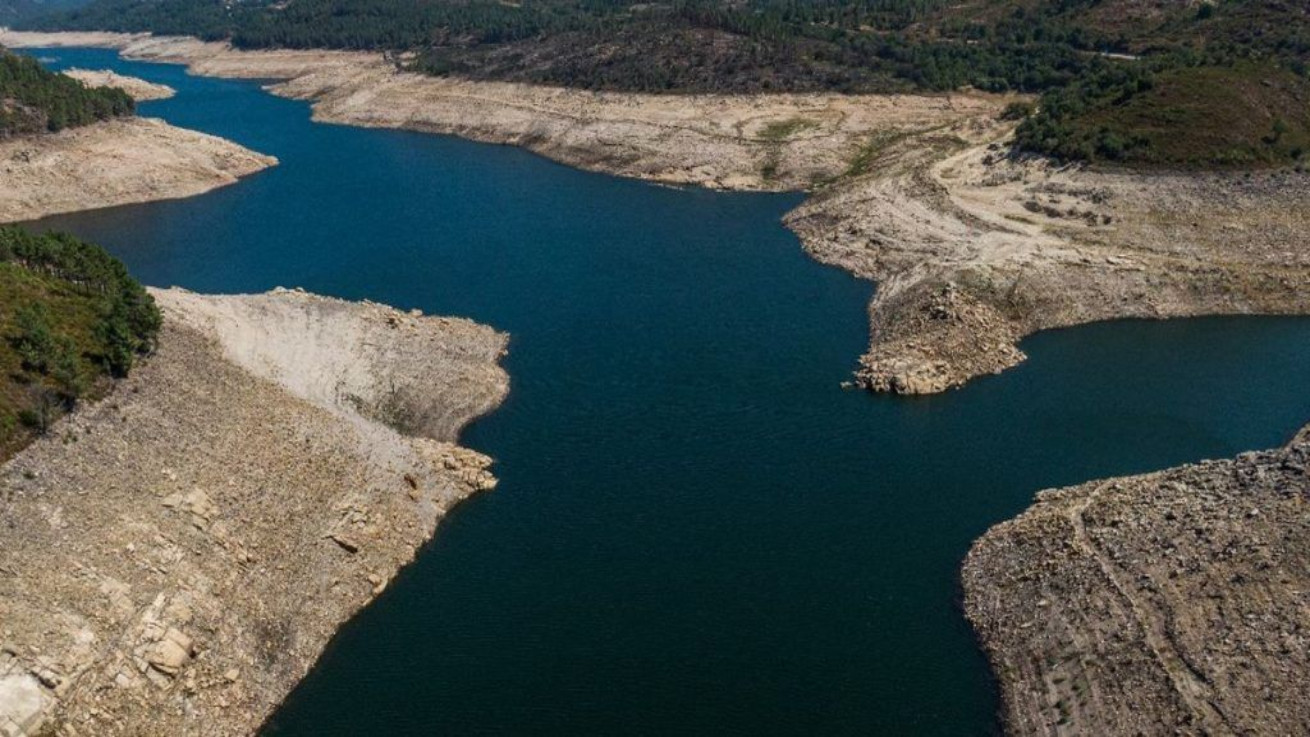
696	531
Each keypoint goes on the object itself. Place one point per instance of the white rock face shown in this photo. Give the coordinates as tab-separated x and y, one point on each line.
22	704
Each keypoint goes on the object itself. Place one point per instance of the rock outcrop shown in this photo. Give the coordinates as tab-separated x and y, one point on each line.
974	248
176	556
1170	603
116	162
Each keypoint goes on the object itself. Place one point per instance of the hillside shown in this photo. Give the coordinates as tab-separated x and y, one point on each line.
34	100
177	555
71	318
17	10
1111	71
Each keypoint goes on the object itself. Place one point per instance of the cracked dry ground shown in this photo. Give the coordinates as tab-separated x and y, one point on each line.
1175	602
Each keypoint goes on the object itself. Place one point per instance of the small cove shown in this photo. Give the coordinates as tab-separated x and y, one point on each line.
696	530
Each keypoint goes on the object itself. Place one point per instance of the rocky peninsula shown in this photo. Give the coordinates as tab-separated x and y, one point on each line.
1174	602
139	89
116	162
178	554
972	248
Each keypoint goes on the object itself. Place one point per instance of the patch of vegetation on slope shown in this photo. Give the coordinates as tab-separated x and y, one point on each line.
71	319
1247	114
34	99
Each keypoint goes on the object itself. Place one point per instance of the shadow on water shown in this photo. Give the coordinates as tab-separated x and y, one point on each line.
696	530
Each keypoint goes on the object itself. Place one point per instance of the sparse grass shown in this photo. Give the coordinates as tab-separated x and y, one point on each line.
781	130
878	143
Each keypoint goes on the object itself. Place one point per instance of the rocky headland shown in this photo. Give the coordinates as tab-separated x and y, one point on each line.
178	554
972	248
1175	602
116	162
139	89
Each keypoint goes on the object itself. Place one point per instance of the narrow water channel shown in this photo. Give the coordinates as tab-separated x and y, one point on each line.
696	530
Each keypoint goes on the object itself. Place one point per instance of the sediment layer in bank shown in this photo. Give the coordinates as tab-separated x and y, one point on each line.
178	554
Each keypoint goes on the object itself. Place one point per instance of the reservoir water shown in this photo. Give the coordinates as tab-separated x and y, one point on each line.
696	531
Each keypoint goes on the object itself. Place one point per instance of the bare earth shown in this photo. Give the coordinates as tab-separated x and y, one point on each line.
178	555
117	162
1176	602
972	251
139	89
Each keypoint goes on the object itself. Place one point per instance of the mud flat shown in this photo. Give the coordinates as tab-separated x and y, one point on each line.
177	555
972	249
116	162
139	89
1175	602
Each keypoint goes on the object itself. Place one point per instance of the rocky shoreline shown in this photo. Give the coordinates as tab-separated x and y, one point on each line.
117	162
1174	602
972	249
138	89
179	553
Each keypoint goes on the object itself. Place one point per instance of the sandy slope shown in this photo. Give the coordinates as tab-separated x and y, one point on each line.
176	556
139	89
115	163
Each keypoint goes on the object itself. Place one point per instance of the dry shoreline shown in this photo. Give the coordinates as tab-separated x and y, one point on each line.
138	89
971	250
1172	602
116	162
178	554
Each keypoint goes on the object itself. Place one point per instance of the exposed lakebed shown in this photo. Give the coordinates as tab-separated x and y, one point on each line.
696	530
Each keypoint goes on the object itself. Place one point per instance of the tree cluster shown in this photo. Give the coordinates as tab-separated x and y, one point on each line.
126	322
34	99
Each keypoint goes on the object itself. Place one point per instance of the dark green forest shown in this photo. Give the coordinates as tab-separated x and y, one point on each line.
71	318
34	99
1087	58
